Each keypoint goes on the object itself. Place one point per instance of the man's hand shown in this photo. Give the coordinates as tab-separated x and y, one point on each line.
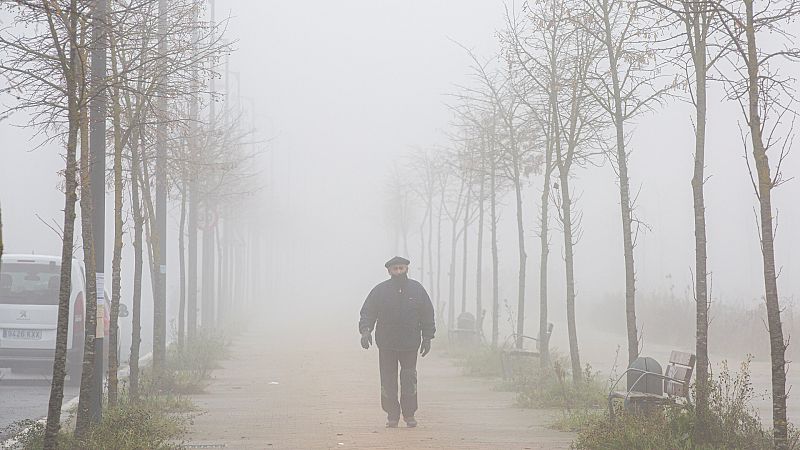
366	340
425	347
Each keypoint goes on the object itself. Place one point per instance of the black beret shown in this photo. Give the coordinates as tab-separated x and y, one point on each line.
397	260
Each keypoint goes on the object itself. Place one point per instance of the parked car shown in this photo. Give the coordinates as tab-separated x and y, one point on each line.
29	289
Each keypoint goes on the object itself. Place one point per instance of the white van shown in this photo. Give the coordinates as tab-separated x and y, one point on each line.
29	288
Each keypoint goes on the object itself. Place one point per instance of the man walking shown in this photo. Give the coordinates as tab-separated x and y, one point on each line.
405	324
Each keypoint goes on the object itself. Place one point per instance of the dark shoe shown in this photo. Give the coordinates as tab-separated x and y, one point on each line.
411	422
392	423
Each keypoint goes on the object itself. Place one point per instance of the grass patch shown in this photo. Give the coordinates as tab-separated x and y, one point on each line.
578	420
154	422
189	367
553	387
160	418
481	362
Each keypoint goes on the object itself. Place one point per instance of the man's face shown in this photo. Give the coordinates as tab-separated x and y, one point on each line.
397	270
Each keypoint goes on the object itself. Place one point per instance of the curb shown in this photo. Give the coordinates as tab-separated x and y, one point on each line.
66	408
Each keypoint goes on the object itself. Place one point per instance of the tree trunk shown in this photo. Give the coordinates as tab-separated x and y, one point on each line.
224	274
701	269
65	286
479	252
430	237
153	258
220	316
182	264
422	248
765	185
544	242
439	262
466	248
522	260
138	261
116	262
194	204
90	321
495	258
191	301
569	260
207	309
451	309
625	200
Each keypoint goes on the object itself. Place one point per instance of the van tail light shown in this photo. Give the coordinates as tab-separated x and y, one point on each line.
77	320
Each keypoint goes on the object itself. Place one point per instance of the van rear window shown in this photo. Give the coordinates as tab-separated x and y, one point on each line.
29	284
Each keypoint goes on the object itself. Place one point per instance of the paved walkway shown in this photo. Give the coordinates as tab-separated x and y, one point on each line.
295	391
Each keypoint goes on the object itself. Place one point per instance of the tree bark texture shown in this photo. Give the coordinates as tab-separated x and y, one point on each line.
765	185
621	158
520	331
696	29
53	424
495	258
90	321
138	262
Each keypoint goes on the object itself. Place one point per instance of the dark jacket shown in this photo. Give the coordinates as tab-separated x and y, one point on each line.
403	312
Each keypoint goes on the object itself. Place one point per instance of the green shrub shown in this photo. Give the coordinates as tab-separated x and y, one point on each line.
201	353
188	369
553	387
632	431
577	420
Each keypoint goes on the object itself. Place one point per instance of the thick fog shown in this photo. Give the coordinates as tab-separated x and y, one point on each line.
342	92
333	100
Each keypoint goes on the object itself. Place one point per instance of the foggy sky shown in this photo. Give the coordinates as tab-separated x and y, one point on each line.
344	89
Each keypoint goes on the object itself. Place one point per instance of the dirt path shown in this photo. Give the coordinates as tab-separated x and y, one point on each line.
272	395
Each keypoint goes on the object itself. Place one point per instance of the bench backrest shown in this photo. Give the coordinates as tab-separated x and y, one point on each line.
680	368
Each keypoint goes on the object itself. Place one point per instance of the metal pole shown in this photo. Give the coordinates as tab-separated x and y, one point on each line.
160	302
223	299
191	300
97	148
207	312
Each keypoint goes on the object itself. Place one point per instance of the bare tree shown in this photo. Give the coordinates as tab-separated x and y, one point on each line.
453	204
537	53
45	71
578	124
88	374
138	261
697	23
399	208
478	112
623	83
554	57
424	167
516	143
765	96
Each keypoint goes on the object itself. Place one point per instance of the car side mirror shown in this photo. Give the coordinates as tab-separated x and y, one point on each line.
123	310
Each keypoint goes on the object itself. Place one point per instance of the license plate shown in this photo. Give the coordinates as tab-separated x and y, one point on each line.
30	335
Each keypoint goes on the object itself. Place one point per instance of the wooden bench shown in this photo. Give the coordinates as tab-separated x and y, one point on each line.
465	334
676	379
510	355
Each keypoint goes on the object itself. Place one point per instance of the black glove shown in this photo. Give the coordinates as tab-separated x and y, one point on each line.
366	340
425	347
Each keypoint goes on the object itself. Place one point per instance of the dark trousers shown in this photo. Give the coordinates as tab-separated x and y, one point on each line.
408	382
